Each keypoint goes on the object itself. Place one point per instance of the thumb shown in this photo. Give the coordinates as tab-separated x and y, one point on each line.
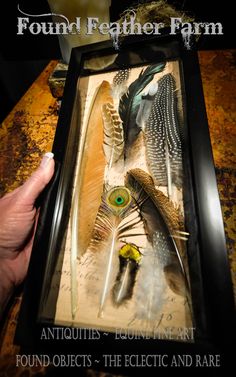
31	189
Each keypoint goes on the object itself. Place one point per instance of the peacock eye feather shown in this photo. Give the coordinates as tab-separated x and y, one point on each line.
118	198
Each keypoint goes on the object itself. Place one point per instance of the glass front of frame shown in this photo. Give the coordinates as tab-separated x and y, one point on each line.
124	264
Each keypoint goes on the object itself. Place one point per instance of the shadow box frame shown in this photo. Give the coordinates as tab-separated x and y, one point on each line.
211	284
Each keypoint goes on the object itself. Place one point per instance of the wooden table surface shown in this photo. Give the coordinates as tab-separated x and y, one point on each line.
28	132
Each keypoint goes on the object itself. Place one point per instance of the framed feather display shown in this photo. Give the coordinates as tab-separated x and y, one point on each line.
130	241
127	206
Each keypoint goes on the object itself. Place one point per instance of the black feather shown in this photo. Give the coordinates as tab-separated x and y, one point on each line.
130	102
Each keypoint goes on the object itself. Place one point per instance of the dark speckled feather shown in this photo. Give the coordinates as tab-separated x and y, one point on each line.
162	136
119	83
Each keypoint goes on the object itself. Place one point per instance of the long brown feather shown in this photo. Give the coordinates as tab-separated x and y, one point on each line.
89	186
92	169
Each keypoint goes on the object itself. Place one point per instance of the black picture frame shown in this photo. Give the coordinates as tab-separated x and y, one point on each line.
213	303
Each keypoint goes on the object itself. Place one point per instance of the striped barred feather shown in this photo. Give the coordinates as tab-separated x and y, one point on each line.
113	144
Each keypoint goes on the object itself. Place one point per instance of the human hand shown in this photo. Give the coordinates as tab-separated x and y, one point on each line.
17	224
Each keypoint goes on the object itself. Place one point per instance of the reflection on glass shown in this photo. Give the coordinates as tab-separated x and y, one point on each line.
77	13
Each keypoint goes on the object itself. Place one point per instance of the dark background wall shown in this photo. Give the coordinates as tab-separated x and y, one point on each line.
22	58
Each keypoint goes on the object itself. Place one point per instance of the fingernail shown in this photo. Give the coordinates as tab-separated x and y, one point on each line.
46	158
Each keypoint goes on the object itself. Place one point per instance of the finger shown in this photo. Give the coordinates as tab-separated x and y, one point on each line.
31	189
